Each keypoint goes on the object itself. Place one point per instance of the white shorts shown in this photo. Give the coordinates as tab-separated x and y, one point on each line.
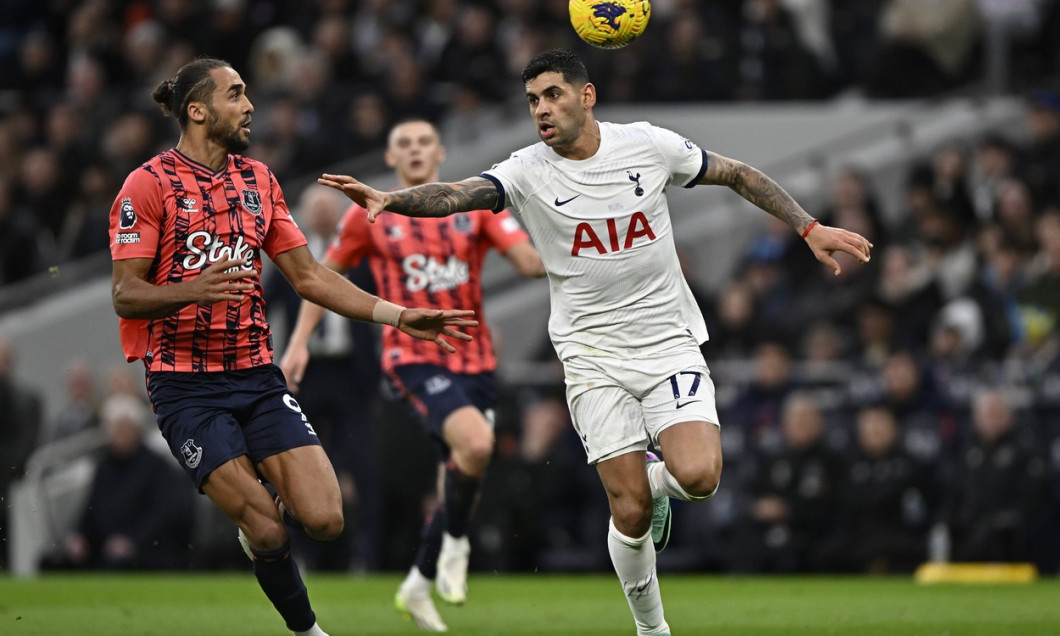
618	405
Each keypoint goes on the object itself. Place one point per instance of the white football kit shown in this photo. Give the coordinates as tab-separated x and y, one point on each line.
623	322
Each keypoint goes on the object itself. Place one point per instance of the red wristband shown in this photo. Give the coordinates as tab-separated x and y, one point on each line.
809	227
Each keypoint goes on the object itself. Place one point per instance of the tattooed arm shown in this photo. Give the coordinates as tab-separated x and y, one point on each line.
443	199
427	200
754	186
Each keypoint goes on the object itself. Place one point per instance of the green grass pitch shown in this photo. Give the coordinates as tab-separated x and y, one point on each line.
531	605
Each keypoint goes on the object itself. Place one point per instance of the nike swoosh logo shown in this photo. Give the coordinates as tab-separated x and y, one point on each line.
679	405
559	203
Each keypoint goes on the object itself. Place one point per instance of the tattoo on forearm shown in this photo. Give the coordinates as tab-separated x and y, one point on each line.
443	199
759	189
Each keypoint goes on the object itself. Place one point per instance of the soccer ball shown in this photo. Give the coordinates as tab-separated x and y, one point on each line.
609	24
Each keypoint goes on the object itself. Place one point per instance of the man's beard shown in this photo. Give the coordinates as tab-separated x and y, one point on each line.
231	139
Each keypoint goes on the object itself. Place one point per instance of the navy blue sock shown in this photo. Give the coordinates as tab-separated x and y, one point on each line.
461	492
431	544
278	577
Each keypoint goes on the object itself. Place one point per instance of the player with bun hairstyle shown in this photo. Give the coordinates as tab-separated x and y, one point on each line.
187	233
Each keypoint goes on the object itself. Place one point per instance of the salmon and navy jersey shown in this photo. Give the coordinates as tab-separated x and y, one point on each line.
185	217
603	228
428	262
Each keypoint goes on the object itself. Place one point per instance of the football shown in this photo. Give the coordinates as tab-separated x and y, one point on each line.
609	24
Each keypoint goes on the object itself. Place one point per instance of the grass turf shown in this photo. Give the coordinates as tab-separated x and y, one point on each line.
532	605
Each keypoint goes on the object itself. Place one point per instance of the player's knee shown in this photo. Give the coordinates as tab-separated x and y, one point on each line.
632	517
473	457
266	536
700	480
324	526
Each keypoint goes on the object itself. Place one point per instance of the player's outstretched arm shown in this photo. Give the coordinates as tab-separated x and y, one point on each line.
427	200
329	289
134	297
754	186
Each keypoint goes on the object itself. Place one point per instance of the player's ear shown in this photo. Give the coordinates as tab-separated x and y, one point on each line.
388	158
588	95
441	153
197	112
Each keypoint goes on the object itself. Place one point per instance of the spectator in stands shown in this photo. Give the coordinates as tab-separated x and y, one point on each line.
757	411
850	190
87	219
472	56
993	490
1038	304
949	167
771	60
993	162
875	333
41	191
906	286
20	253
1044	285
732	323
128	142
695	69
1015	213
20	422
367	122
854	30
881	528
823	349
1039	162
140	511
925	47
795	497
80	412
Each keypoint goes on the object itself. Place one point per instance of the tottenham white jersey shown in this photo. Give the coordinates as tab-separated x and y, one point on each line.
602	226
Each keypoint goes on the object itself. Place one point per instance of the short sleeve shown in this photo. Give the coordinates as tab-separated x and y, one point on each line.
686	162
509	176
353	241
136	217
502	230
283	233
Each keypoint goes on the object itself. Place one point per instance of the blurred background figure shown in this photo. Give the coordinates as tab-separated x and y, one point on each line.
994	489
20	423
80	412
139	513
882	527
795	497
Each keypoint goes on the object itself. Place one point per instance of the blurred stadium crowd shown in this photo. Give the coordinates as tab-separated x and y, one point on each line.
903	410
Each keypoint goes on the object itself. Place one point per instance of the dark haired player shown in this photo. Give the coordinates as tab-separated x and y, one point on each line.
431	260
187	233
624	323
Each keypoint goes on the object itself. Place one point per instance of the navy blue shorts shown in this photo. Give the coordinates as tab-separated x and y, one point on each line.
210	418
435	392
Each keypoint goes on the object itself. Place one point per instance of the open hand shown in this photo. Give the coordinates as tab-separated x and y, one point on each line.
368	198
432	324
